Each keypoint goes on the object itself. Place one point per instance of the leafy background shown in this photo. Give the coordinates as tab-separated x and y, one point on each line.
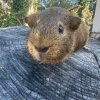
13	12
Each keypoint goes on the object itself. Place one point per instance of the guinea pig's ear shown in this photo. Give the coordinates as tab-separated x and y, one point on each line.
31	20
74	22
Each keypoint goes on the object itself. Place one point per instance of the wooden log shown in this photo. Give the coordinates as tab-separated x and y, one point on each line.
22	78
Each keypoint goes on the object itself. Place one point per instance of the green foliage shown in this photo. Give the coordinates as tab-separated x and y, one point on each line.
10	19
20	5
43	4
16	14
86	11
20	8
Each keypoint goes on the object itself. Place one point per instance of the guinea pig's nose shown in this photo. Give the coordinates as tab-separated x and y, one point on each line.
45	49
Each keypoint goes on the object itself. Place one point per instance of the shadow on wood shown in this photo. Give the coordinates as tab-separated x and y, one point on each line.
22	78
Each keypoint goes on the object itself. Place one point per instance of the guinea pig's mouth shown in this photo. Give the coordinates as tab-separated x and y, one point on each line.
49	57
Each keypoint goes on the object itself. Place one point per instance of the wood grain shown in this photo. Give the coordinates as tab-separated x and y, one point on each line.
22	78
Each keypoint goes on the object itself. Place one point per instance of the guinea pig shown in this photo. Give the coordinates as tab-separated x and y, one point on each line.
55	34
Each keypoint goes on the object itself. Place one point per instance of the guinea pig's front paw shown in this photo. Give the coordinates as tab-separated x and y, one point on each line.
32	51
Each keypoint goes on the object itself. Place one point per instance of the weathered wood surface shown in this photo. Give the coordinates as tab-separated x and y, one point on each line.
21	78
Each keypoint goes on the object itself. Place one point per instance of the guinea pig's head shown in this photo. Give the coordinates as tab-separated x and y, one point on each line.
52	34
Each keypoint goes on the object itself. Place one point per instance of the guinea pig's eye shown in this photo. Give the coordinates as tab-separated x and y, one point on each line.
61	29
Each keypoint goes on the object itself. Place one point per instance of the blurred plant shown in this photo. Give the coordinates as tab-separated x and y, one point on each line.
43	4
5	7
33	6
86	10
14	15
12	12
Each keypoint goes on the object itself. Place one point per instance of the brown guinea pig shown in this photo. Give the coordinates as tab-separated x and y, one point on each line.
55	34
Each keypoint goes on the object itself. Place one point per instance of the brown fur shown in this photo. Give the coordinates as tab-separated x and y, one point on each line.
46	44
